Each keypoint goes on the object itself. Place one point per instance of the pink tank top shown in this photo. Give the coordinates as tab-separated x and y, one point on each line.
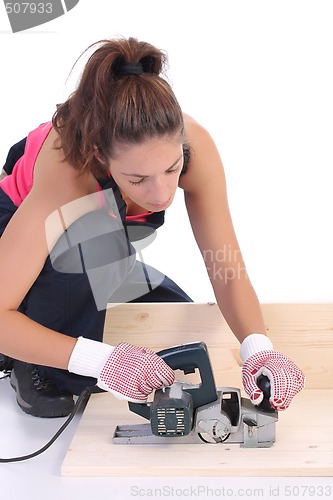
18	185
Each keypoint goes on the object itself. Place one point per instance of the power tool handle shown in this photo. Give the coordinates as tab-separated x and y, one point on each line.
264	384
188	357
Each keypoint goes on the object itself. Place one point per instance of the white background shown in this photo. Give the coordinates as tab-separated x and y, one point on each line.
258	74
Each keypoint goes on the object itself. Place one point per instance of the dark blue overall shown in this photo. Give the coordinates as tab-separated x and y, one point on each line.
66	301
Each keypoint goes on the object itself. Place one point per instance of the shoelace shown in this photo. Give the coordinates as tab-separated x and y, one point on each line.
40	383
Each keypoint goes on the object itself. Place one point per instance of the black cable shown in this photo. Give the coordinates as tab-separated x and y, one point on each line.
86	392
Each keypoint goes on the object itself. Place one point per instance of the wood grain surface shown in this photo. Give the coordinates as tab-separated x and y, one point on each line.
304	433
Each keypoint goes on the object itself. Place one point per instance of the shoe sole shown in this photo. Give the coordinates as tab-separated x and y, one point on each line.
43	411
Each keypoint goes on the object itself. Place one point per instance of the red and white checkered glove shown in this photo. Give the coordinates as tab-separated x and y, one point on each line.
286	379
127	371
133	372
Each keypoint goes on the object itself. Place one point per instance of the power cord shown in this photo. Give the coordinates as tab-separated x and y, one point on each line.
84	394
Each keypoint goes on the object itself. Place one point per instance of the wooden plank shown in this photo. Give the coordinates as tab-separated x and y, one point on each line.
304	443
303	447
302	331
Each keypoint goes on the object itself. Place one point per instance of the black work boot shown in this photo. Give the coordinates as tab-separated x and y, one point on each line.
37	395
6	363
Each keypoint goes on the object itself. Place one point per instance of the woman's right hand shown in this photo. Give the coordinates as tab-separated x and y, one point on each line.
127	371
133	372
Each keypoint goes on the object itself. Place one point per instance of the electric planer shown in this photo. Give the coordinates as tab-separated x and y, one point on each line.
200	413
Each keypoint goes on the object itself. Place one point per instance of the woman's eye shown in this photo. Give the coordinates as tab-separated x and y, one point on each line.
136	183
175	170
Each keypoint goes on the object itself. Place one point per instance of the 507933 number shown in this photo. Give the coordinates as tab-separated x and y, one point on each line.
28	8
311	491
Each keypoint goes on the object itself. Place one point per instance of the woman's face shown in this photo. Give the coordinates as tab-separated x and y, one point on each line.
148	173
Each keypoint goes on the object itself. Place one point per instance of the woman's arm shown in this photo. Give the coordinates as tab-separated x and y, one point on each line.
24	248
23	251
129	372
206	201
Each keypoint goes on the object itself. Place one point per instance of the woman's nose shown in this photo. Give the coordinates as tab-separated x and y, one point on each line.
160	192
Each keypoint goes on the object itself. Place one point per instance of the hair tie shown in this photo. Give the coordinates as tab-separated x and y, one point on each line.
130	68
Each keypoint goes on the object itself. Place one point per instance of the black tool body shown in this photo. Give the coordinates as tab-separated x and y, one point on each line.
185	412
179	404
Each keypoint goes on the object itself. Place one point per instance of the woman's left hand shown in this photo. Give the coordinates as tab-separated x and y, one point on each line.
286	379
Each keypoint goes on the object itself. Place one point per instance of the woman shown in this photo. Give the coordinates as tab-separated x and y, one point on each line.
85	187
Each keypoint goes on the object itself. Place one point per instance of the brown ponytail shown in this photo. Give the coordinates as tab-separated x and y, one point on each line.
111	105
